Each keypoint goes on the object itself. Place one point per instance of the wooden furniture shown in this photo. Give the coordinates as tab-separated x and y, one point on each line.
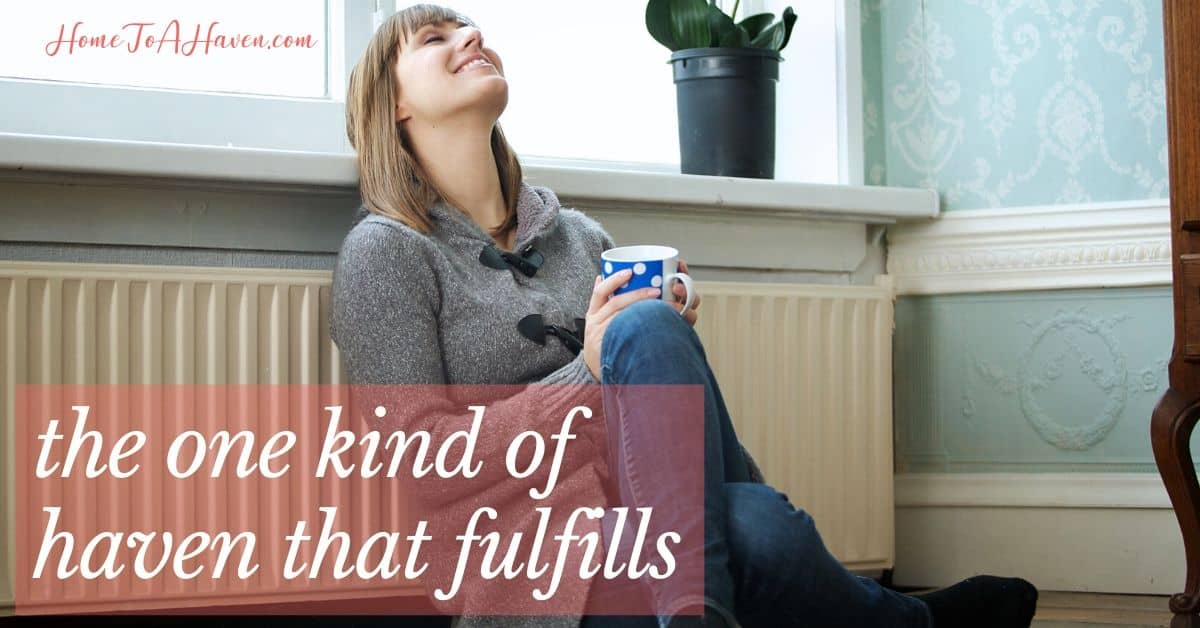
1177	412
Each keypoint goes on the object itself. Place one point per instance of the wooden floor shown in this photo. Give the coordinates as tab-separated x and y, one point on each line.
1072	610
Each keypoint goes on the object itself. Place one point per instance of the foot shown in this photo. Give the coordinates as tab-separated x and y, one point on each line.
711	619
983	602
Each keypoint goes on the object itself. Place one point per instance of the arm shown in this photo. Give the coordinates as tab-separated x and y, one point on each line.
606	241
385	323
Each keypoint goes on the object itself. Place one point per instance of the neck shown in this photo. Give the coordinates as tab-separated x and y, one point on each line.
463	168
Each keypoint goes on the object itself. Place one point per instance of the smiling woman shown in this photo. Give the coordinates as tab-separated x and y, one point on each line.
415	302
408	91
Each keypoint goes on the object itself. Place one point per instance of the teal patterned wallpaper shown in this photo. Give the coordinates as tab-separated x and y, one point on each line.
1035	381
1005	103
1012	103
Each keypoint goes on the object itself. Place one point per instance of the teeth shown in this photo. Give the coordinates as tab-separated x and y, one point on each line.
473	64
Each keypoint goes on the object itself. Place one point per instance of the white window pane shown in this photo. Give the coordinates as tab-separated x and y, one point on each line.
586	81
806	101
271	48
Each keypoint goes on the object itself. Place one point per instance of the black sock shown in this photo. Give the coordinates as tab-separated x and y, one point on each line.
983	602
710	619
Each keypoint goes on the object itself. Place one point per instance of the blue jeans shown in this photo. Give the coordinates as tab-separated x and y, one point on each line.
764	561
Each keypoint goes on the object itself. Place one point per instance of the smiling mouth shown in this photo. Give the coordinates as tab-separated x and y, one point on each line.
475	65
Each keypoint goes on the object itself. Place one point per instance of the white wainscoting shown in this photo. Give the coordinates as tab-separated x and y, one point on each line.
1098	532
1101	532
1034	248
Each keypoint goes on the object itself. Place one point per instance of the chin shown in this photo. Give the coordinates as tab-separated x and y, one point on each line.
495	101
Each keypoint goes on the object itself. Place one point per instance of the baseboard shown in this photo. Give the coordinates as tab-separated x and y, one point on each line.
1032	490
1111	533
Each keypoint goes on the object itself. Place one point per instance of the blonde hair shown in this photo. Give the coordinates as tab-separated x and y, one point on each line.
390	179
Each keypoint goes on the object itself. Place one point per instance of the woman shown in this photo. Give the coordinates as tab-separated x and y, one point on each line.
452	249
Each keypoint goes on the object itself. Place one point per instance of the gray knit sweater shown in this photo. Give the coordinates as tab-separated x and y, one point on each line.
415	309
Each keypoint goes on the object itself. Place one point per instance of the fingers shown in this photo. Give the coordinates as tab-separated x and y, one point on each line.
681	296
621	301
601	290
690	315
680	292
593	303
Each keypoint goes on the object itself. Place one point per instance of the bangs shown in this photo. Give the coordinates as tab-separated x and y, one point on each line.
417	16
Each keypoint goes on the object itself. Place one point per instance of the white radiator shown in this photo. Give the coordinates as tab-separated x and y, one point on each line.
805	371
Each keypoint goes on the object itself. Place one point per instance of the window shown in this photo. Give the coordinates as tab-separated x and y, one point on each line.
587	83
807	127
220	73
597	92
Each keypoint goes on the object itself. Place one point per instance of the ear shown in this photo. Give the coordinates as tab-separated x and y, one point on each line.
399	109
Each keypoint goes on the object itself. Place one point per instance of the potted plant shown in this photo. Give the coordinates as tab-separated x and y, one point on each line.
725	73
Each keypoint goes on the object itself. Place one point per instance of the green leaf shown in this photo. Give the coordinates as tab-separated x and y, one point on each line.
756	23
689	24
789	20
726	34
770	39
658	23
715	24
736	38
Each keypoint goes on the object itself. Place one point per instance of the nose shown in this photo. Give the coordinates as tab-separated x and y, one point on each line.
471	36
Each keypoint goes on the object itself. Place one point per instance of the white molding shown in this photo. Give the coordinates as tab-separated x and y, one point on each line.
160	272
1110	550
732	196
1101	532
1034	248
85	155
1031	490
601	188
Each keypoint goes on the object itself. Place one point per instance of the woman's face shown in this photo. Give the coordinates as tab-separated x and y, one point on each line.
436	80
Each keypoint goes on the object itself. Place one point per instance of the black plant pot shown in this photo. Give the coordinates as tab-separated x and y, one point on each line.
726	103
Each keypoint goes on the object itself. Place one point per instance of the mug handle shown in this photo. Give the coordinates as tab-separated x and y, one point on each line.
687	287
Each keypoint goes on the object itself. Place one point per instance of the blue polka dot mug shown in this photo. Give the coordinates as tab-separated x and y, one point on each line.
653	266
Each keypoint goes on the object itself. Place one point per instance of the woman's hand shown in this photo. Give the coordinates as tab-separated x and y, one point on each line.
681	295
601	311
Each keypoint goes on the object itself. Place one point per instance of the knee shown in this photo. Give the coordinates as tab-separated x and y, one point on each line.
766	533
652	322
654	312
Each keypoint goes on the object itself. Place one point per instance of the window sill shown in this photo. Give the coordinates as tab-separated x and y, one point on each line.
593	187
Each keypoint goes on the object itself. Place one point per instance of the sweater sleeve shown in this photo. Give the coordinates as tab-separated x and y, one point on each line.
606	241
594	230
384	321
